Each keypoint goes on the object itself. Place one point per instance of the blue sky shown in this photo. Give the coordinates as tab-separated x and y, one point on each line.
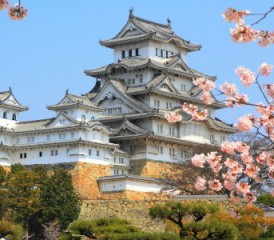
47	53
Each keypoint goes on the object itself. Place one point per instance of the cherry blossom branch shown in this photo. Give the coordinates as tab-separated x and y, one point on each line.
264	15
261	90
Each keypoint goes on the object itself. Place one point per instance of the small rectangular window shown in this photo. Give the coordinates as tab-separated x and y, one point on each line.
40	154
21	155
97	153
121	160
132	149
183	87
137	52
130	52
25	155
166	54
133	81
156	52
51	153
162	53
171	151
89	152
129	81
160	150
56	152
116	172
123	54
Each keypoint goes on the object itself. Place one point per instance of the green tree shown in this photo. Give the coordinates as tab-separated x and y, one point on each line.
176	211
2	191
58	199
22	195
266	199
10	230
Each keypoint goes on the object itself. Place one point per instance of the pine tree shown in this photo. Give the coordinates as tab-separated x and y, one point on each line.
59	201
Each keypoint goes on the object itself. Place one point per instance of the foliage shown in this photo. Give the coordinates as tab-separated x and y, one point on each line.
2	191
213	230
10	230
266	199
250	222
23	194
176	211
140	236
115	229
58	199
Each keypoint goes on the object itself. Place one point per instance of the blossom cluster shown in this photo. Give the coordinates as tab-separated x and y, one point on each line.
245	33
231	169
228	173
206	85
16	12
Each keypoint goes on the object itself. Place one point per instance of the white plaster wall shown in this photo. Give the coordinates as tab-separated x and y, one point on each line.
65	154
178	81
121	185
163	101
9	114
78	113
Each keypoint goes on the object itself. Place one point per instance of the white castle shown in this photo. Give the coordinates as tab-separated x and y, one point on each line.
120	123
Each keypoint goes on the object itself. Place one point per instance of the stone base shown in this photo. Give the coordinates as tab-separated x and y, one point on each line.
150	168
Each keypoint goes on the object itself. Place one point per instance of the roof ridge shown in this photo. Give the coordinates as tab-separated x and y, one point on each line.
31	121
151	22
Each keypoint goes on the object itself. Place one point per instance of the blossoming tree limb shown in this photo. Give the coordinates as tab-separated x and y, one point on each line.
236	167
16	12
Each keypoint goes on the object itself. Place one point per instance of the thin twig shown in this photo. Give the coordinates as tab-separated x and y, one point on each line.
263	16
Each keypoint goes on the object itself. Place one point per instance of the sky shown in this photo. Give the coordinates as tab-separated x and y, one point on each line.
46	53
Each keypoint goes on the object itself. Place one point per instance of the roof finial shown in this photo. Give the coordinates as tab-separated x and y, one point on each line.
67	91
9	89
169	22
131	12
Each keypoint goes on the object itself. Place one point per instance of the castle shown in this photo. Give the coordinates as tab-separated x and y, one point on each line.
117	130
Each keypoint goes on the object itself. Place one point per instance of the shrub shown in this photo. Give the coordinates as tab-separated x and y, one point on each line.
140	236
10	230
213	230
266	199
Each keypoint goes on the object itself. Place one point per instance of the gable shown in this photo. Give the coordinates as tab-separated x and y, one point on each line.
109	98
66	100
61	121
11	101
125	132
129	29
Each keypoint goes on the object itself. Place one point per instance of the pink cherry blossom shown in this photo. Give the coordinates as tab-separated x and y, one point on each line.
189	108
198	160
249	196
242	187
270	89
271	173
261	158
234	196
230	102
207	98
229	90
243	33
229	185
265	38
200	116
245	123
265	69
205	84
200	184
215	185
246	76
3	4
242	147
230	163
173	117
228	147
252	170
246	158
17	13
241	99
232	15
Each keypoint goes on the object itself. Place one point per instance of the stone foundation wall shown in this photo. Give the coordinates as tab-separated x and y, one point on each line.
136	212
149	168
